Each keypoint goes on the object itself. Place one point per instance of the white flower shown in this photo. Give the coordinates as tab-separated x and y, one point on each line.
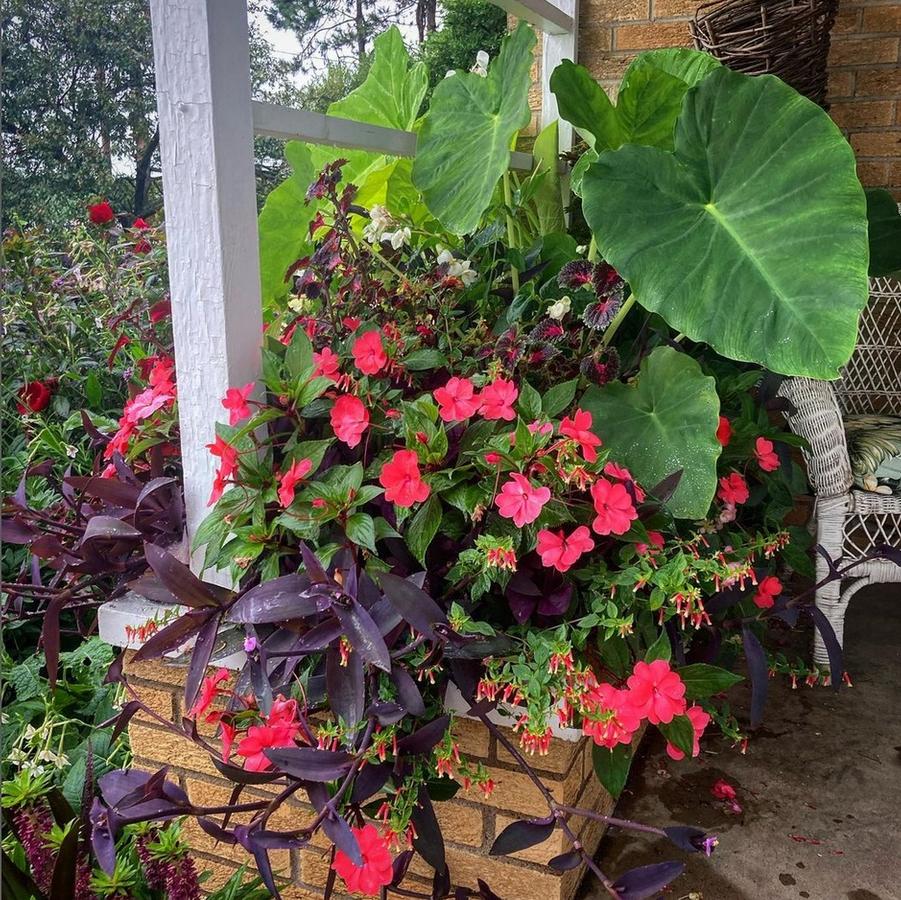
581	249
450	73
481	66
33	768
461	268
445	257
17	756
397	238
30	732
559	309
379	221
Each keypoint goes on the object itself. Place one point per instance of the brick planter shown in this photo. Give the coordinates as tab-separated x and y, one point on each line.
469	822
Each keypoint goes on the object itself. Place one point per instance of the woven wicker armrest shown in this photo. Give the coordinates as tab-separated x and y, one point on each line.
818	419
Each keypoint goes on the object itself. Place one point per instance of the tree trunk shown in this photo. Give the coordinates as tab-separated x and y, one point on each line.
361	33
142	174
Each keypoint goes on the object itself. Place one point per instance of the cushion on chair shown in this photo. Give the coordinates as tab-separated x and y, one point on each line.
874	446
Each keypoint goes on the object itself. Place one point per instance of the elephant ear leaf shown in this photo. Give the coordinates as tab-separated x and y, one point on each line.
464	144
743	238
665	421
885	232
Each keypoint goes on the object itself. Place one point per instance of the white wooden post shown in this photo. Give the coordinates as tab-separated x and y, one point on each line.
200	50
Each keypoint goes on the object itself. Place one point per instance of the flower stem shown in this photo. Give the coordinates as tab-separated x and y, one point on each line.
511	232
593	250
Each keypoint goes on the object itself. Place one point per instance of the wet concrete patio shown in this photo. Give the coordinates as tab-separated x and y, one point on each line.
820	786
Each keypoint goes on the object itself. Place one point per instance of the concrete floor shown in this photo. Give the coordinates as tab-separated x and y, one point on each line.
820	786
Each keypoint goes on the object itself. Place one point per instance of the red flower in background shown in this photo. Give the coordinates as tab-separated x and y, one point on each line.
369	353
33	397
402	481
376	870
327	363
228	466
287	483
236	403
140	224
767	592
656	691
456	400
142	246
654	546
578	428
733	489
724	431
766	456
614	508
101	213
349	419
699	721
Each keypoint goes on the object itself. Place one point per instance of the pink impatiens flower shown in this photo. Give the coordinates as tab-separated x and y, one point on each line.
610	716
369	353
724	431
497	399
236	403
281	730
402	480
615	470
767	592
519	501
733	489
326	364
377	869
657	691
578	428
614	508
456	400
560	552
349	419
766	456
699	721
287	483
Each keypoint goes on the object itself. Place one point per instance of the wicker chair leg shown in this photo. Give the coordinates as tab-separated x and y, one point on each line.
830	532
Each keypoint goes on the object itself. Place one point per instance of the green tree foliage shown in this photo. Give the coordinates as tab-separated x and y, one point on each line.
467	26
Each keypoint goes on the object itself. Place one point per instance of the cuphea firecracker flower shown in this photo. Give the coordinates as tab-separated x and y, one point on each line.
724	431
497	399
609	717
733	489
520	501
101	213
369	353
699	721
349	419
33	397
327	363
235	402
653	546
614	507
767	592
287	483
766	455
560	552
402	480
377	869
456	400
578	428
656	691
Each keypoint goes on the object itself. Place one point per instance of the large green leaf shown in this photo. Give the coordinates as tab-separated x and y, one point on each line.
549	194
884	232
665	421
751	235
464	143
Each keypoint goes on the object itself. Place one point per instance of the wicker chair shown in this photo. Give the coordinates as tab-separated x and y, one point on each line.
850	521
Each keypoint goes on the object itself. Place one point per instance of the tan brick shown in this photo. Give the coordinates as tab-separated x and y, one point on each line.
894	174
299	892
539	853
878	83
841	83
607	69
559	759
163	702
849	51
877	143
162	672
882	19
593	12
670	9
594	41
167	749
472	737
854	113
198	839
847	21
651	36
461	822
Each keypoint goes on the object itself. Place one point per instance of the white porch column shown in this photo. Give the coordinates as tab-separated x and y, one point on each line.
558	47
200	50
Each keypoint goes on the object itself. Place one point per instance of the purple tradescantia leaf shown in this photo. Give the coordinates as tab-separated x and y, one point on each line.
125	787
13	531
424	739
310	764
279	600
174	634
370	780
386	712
363	634
320	636
441	882
314	569
566	861
428	842
385	616
179	579
102	840
758	672
345	686
339	833
407	691
216	831
400	865
413	603
65	867
108	528
50	636
647	881
689	839
237	775
113	491
833	648
152	588
522	834
200	658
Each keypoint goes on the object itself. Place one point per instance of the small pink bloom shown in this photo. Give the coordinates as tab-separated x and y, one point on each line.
537	427
519	501
209	690
493	458
402	480
236	403
351	323
610	717
377	869
614	508
287	483
767	592
227	467
657	691
724	431
578	428
369	353
327	364
699	721
349	419
497	399
456	400
766	456
560	552
265	737
733	489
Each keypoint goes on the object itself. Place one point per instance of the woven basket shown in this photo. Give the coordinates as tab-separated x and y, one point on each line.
788	38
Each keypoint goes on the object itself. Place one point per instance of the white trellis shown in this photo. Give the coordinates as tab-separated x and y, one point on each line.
207	123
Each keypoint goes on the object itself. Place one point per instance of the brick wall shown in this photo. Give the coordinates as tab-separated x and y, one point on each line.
865	66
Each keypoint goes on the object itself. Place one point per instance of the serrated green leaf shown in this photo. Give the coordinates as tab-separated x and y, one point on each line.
423	527
559	397
680	733
529	402
360	529
423	359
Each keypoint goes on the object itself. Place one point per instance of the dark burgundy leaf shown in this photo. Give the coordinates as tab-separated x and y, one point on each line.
102	840
17	884
60	806
14	532
566	861
485	892
338	831
320	636
345	686
400	865
113	491
647	881
521	835
279	600
200	658
758	672
124	717
685	837
428	842
238	775
174	634
64	868
108	528
264	866
414	604
370	780
310	764
833	648
178	578
386	712
315	572
114	672
259	680
152	588
363	634
665	489
216	831
407	690
441	883
385	615
276	840
50	635
422	740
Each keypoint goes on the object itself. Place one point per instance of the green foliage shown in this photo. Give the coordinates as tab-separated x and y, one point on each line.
702	680
664	422
612	766
738	235
884	230
473	118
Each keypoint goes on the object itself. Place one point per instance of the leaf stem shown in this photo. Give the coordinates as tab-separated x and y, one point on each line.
617	321
511	231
